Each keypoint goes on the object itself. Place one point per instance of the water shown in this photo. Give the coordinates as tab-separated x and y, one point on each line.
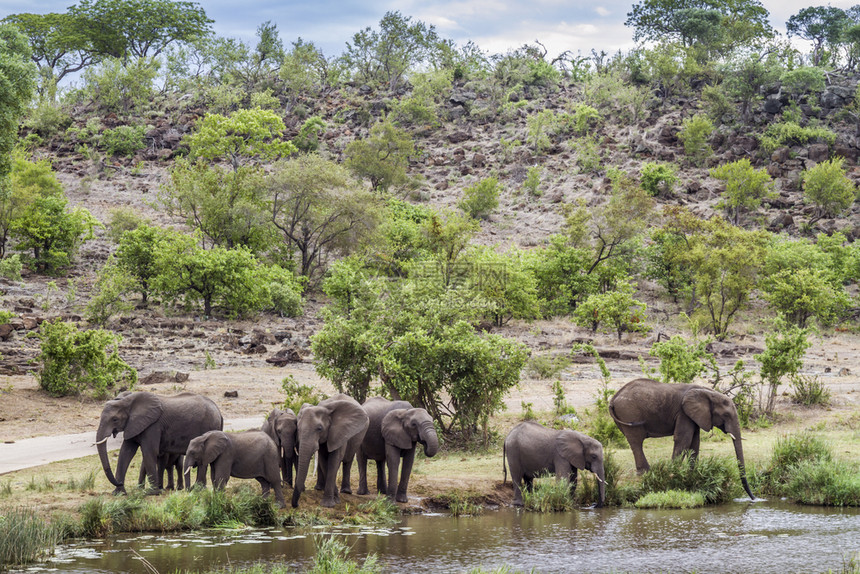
762	537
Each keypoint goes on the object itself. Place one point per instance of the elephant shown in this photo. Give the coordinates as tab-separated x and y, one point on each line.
646	408
157	425
394	430
335	427
281	427
170	463
248	454
532	449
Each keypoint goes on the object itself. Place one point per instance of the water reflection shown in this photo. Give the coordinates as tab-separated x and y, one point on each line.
761	537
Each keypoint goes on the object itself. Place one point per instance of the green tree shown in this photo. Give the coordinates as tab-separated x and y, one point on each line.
73	361
658	178
800	294
242	135
694	134
617	309
682	362
744	78
785	348
109	294
17	81
745	187
140	28
121	87
504	282
821	25
828	188
60	45
136	256
480	199
305	70
318	210
383	157
388	54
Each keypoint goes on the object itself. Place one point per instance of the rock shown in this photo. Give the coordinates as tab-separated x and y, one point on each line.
782	221
780	155
730	349
458	137
773	104
285	356
6	331
231	394
844	372
819	152
479	160
846	151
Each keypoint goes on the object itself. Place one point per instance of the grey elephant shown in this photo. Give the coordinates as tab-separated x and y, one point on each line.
170	463
645	408
156	425
532	449
281	426
394	431
334	428
248	454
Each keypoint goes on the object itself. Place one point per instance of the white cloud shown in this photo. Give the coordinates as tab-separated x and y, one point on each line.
602	11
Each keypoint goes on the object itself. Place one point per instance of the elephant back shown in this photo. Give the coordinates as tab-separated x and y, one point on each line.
186	416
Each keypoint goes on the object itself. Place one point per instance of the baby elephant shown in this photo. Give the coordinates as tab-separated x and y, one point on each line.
532	449
249	454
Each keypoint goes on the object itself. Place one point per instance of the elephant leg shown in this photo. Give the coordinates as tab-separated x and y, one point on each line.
405	473
686	434
362	473
322	467
380	477
345	487
276	486
264	487
220	475
517	480
635	440
392	460
126	453
529	482
572	478
150	462
694	446
330	494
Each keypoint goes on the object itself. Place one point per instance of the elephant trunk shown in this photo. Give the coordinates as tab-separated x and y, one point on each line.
307	448
429	439
601	486
739	452
101	441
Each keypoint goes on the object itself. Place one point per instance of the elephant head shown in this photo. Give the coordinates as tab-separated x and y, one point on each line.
281	427
328	425
584	453
405	427
709	409
129	413
202	450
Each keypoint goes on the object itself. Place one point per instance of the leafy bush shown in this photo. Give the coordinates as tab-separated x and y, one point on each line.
788	452
791	133
584	118
47	119
809	390
617	309
745	186
124	219
119	87
804	293
308	138
681	362
694	134
298	394
658	178
75	362
715	478
828	483
123	140
10	267
548	496
479	200
547	366
532	182
828	188
785	347
589	153
112	285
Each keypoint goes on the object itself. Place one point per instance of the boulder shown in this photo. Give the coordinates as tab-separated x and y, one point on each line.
819	152
285	356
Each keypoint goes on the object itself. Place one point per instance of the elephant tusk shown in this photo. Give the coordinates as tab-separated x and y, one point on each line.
731	436
316	454
599	479
104	440
188	470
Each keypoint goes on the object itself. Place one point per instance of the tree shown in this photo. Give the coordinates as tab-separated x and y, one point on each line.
740	22
744	78
140	28
800	294
617	308
382	157
60	44
305	69
242	135
480	199
745	187
503	281
821	25
136	255
385	56
318	209
785	348
17	81
827	186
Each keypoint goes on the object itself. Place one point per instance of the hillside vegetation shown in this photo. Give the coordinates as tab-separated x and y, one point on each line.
404	210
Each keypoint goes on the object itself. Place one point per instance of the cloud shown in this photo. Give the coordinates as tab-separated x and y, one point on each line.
602	11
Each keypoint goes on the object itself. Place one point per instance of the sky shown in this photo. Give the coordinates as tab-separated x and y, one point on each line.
496	26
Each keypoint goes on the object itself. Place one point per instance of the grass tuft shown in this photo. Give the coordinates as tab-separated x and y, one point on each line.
548	495
671	499
332	557
715	478
25	537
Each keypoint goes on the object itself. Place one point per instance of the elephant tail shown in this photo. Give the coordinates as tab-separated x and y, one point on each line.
504	466
619	421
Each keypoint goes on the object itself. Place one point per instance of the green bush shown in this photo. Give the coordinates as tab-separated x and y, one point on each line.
791	133
809	390
658	178
828	188
47	119
77	362
532	182
788	452
681	362
547	366
589	153
694	134
785	348
10	267
117	86
298	394
715	478
548	495
308	138
617	310
829	483
123	140
746	187
481	199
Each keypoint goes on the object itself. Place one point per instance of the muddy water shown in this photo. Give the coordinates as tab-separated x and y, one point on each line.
768	536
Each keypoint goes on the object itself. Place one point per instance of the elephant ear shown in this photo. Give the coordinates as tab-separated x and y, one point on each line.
696	404
394	431
569	444
347	420
145	409
269	425
215	445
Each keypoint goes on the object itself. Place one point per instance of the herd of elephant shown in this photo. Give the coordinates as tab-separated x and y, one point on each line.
186	431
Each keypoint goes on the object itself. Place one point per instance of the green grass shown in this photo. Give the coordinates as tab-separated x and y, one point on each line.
462	503
25	536
671	499
548	495
380	510
714	477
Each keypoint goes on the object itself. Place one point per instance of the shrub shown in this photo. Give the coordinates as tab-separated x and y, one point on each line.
532	182
715	478
548	496
308	138
47	119
809	390
124	219
123	140
803	293
547	366
681	362
617	309
828	483
745	186
788	452
74	362
112	285
298	394
117	87
332	558
791	133
785	347
479	200
589	153
10	267
828	188
694	134
658	178
671	499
